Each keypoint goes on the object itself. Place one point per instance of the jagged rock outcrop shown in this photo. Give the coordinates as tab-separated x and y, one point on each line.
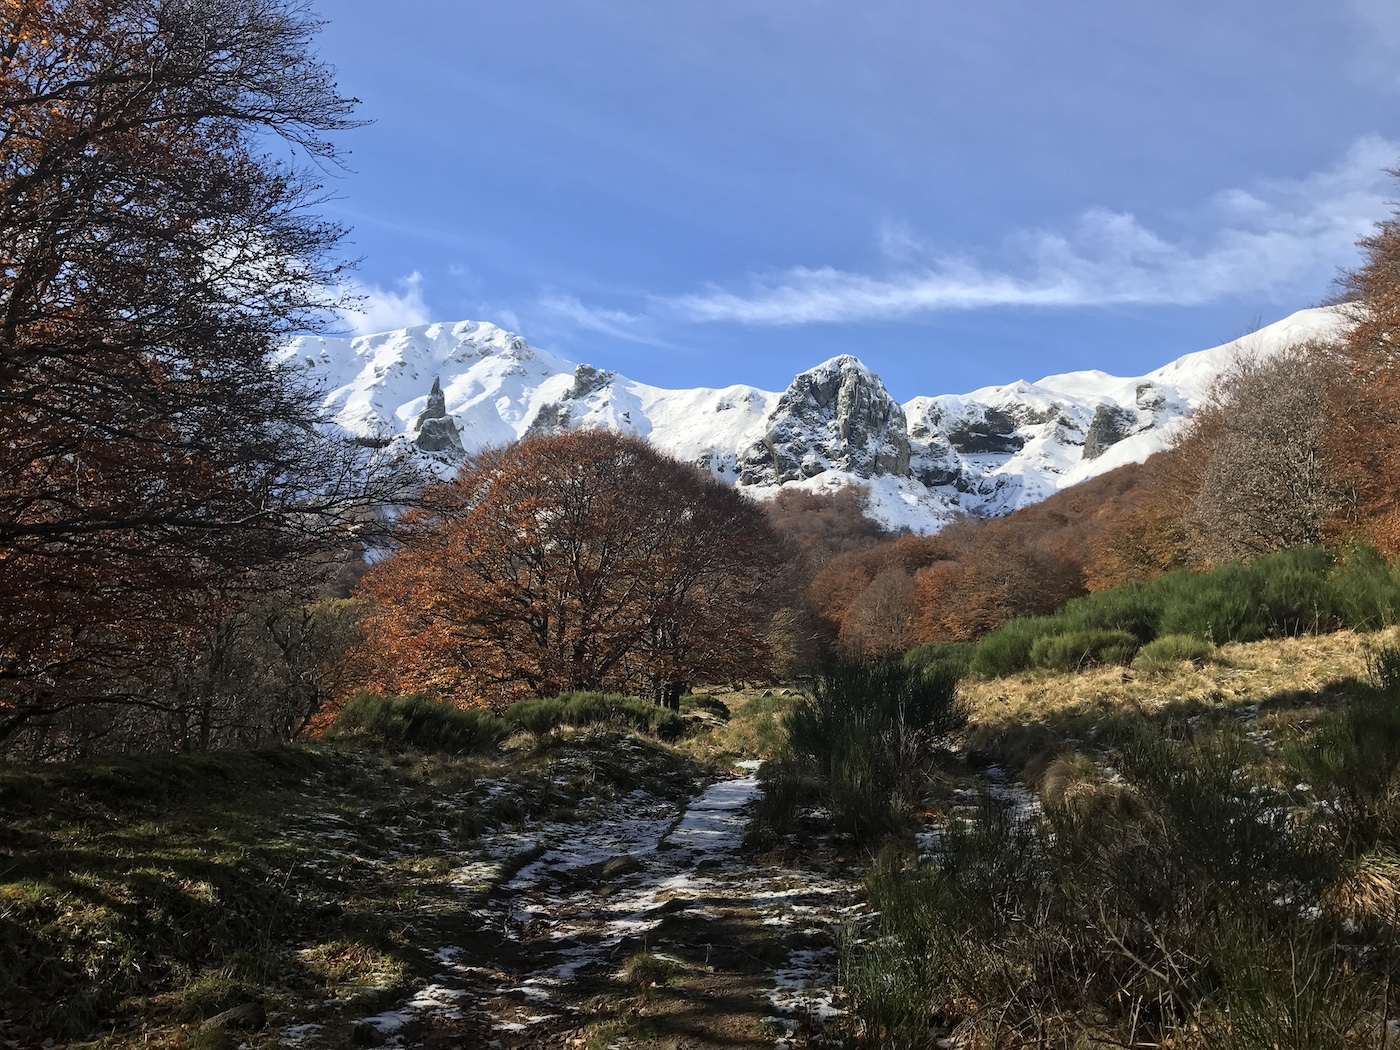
1110	425
552	418
838	416
588	380
993	431
436	430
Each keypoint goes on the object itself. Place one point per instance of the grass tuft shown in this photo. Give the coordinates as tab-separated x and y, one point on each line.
543	716
418	722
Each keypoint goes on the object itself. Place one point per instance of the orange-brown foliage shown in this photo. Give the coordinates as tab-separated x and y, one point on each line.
864	598
152	460
1006	568
875	595
581	561
1103	532
1365	446
825	524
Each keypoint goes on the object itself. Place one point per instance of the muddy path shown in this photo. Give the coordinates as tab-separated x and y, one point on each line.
644	925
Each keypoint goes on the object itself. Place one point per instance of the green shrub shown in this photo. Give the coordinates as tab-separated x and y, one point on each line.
1193	909
1384	665
544	715
860	739
1079	649
419	722
1296	595
1007	650
1171	650
1352	760
1134	607
942	658
1223	605
1365	590
1307	589
539	715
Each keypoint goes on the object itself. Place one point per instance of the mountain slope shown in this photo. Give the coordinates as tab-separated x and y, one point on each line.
988	452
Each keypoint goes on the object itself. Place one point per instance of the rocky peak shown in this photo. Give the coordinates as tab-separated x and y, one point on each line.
588	380
1110	425
837	416
436	430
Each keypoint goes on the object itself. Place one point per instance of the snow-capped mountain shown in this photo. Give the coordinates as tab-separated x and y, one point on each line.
989	452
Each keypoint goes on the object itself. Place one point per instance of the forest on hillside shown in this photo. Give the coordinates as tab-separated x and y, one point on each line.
1294	449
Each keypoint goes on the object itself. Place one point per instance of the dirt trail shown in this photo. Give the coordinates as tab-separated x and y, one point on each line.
645	926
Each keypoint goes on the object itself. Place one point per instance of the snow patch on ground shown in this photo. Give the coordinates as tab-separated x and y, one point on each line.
572	921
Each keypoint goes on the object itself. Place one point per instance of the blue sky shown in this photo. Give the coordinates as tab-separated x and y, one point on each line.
705	192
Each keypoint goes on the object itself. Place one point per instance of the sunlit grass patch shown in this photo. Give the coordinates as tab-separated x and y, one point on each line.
753	728
648	969
354	965
1023	718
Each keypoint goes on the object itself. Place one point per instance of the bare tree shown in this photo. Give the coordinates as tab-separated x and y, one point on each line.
1266	477
879	622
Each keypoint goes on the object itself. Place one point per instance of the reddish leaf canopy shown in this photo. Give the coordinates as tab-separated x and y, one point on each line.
580	561
151	255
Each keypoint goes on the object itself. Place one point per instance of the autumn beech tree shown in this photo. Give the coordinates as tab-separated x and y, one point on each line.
573	562
154	464
1364	441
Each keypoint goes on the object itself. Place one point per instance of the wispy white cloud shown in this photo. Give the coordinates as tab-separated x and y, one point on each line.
1378	22
383	310
900	244
1280	236
615	323
1381	19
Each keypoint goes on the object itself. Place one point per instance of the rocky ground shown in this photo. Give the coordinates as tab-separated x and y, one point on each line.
642	924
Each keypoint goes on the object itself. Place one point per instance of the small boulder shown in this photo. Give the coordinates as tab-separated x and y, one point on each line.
362	1033
250	1017
619	866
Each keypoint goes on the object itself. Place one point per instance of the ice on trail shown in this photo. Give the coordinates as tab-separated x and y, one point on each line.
567	898
598	892
716	820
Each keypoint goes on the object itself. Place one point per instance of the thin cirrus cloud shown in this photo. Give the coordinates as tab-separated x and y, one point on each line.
615	323
1281	236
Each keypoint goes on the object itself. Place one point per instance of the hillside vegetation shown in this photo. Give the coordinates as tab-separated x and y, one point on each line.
1201	852
1296	448
143	899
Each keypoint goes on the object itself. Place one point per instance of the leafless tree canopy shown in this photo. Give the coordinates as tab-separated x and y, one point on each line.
1267	483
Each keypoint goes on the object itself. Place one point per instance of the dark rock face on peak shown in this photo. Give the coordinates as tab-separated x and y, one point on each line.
837	416
1150	398
1109	426
436	430
587	380
552	418
994	432
555	417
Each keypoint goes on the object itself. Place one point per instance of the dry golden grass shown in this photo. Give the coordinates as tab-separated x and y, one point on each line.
1289	681
753	729
1078	785
1369	893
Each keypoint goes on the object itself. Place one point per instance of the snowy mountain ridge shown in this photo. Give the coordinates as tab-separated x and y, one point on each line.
988	452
